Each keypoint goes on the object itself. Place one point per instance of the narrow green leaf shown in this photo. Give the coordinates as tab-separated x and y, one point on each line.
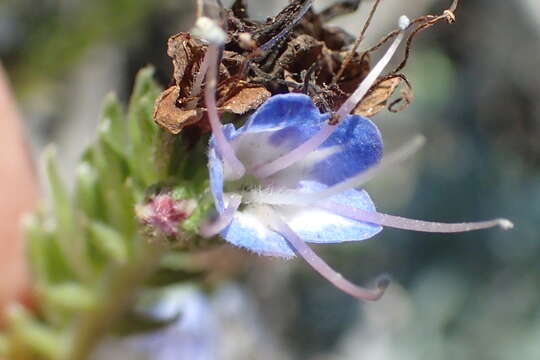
36	241
143	131
117	208
71	240
31	335
145	86
109	241
86	190
69	296
112	127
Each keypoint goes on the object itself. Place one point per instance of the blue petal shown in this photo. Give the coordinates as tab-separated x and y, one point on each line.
361	147
215	167
320	226
281	124
278	126
249	232
293	119
354	146
247	229
286	110
286	121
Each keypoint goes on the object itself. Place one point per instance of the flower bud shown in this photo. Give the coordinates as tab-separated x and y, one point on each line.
163	213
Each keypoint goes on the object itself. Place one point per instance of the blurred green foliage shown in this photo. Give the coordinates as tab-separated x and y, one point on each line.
53	36
87	251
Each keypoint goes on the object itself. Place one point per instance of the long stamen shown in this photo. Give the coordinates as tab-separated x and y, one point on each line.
224	147
410	224
323	268
295	198
389	161
200	8
270	168
370	79
209	229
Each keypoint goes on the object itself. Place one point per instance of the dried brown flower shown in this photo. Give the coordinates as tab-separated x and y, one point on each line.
292	52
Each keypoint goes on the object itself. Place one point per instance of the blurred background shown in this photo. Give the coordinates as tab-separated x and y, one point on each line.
476	85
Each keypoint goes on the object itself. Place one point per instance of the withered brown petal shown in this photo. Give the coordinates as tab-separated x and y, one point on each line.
246	99
353	74
187	55
172	117
376	100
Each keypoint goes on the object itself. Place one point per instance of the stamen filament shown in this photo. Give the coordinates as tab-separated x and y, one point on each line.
209	229
223	146
411	224
270	168
290	197
323	268
370	79
388	161
200	8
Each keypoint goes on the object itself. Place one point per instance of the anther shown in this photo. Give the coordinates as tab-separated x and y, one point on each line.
404	22
209	30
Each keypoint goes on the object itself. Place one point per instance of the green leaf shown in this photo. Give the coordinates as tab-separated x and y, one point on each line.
142	129
115	197
109	241
30	335
87	190
112	127
204	205
36	248
69	296
70	239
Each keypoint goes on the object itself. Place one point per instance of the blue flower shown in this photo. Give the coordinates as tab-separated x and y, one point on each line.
290	175
191	332
280	125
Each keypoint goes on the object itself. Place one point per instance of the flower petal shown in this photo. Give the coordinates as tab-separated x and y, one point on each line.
216	169
281	124
322	226
286	121
285	110
249	231
355	145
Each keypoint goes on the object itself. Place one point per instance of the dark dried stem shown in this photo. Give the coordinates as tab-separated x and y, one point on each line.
448	15
339	9
359	39
426	22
